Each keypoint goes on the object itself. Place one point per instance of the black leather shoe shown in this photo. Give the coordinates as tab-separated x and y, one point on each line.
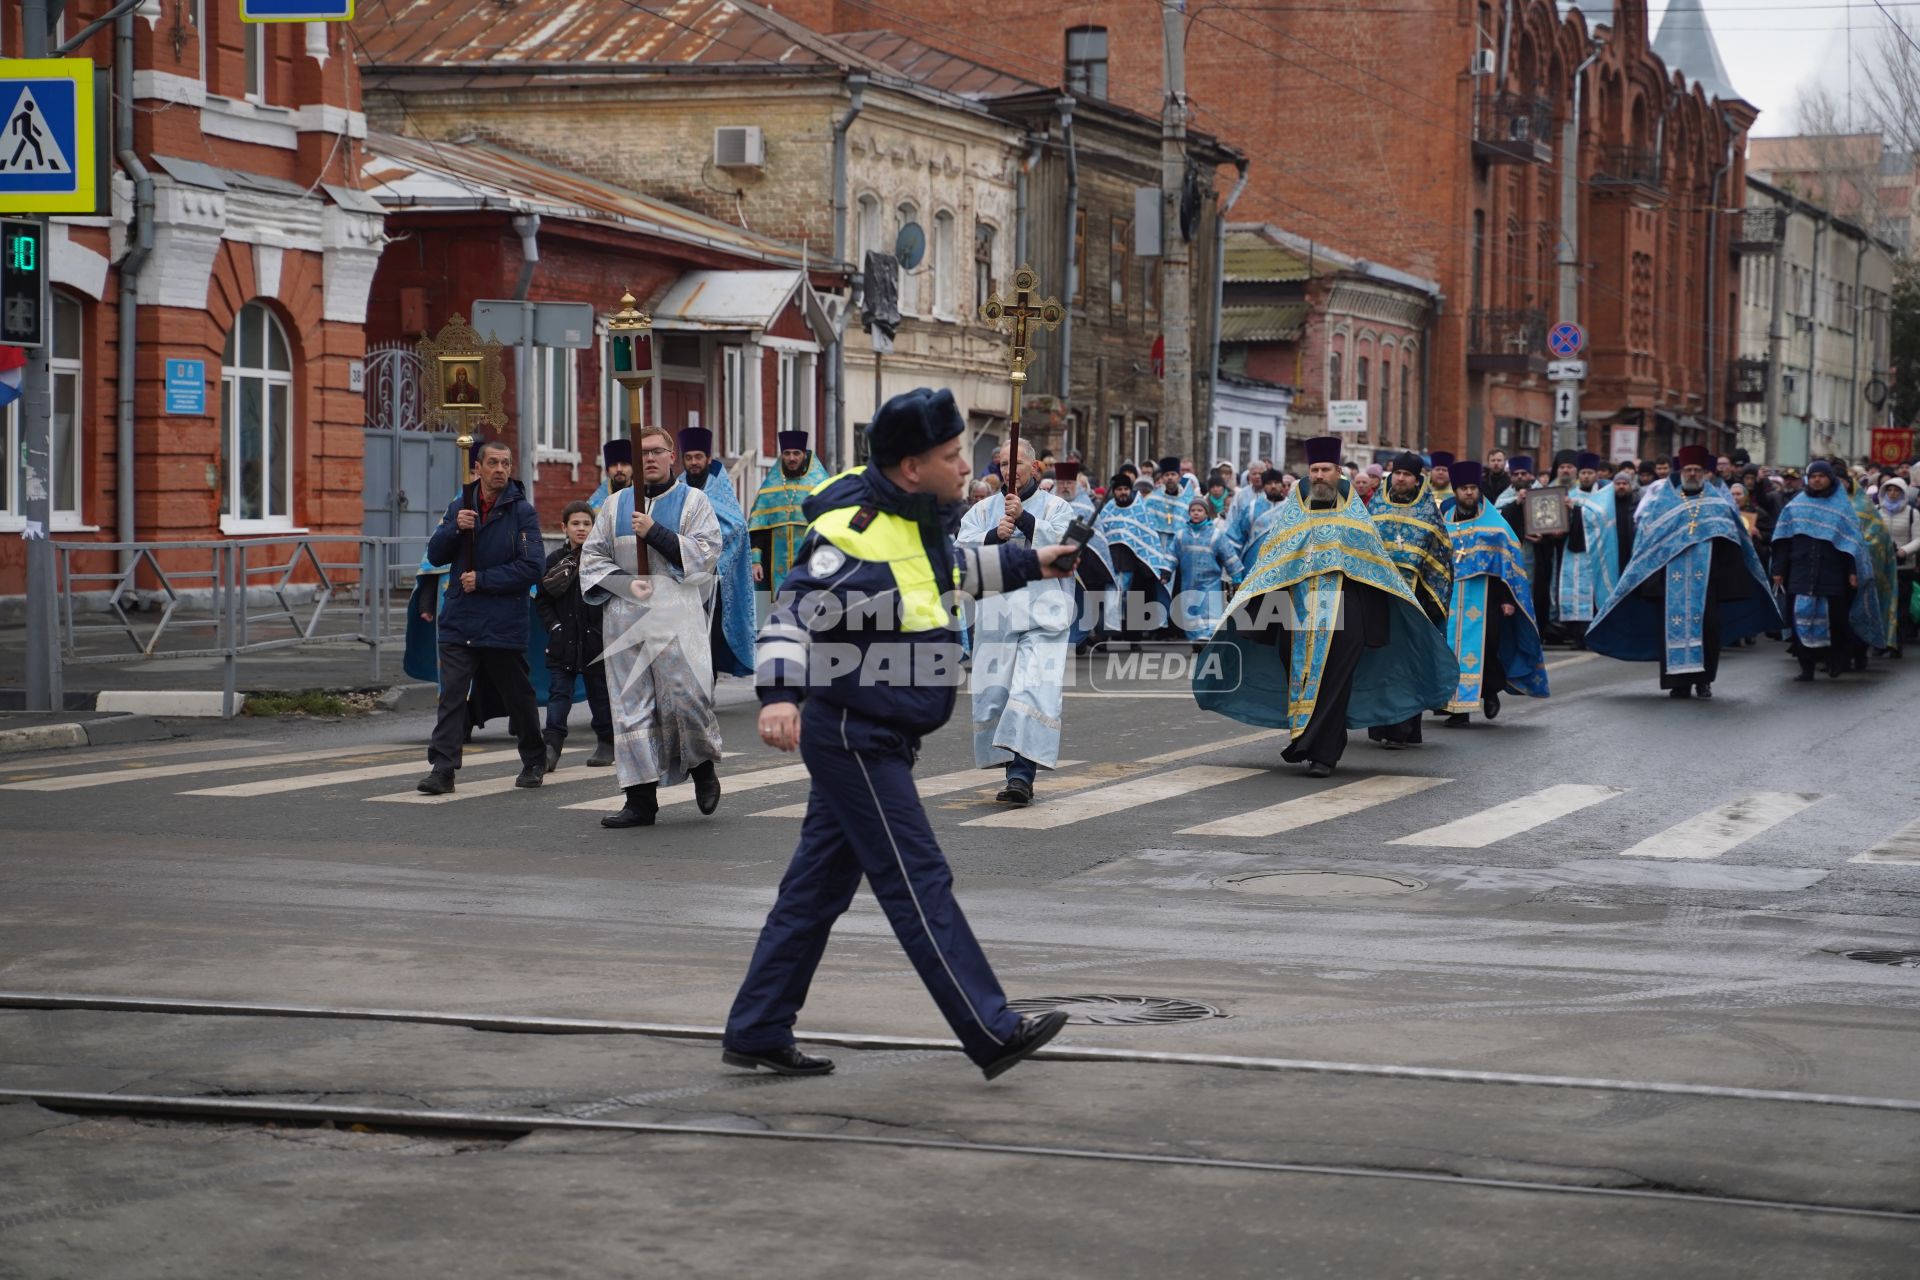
1034	1030
1805	677
1491	706
1704	691
1318	770
1458	720
706	787
641	809
1680	691
1018	792
553	752
437	783
787	1061
602	756
530	776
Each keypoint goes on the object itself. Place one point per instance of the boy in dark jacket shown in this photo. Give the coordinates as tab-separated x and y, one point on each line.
573	643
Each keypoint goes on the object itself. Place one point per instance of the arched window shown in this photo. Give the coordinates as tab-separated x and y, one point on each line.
66	436
1361	387
1405	398
256	423
1334	384
982	264
906	214
942	252
867	229
1383	432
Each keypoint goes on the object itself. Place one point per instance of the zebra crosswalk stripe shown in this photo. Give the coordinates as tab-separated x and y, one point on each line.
1321	806
307	781
190	747
497	786
1510	819
1101	801
940	784
1901	849
1710	834
75	781
729	785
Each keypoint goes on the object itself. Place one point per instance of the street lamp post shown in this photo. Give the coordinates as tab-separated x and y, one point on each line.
630	334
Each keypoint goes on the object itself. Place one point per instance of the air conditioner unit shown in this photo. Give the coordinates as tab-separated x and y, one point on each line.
1483	62
739	146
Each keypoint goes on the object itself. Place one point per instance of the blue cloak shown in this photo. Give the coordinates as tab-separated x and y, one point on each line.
733	646
1304	554
1485	548
1832	519
1133	528
1673	534
1415	535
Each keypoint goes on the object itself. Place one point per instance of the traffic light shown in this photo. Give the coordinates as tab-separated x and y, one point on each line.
23	283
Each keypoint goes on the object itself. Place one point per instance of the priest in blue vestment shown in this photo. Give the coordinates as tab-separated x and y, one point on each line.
1245	516
616	471
732	624
1823	565
1325	635
1206	563
1591	564
1490	622
1693	585
1415	533
1140	551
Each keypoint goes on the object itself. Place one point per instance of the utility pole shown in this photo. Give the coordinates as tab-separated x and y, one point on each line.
36	414
1177	434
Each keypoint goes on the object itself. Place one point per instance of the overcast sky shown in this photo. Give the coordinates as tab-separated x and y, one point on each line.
1773	47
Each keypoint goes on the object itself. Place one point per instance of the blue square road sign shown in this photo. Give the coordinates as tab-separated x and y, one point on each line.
46	135
296	10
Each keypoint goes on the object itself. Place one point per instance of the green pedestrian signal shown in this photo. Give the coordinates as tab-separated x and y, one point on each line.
23	283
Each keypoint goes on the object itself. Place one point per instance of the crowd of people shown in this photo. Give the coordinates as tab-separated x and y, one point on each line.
1350	595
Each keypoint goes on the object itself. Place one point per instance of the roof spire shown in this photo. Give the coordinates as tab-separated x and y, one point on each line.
1686	44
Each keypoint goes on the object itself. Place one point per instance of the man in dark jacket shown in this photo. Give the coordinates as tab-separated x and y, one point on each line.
491	538
573	643
856	688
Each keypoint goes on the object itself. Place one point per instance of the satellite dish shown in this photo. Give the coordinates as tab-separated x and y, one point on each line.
910	246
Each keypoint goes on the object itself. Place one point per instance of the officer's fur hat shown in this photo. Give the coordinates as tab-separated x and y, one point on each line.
913	422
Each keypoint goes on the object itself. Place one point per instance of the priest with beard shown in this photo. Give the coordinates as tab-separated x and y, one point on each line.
731	622
1490	622
1536	551
776	524
1411	525
1694	583
1822	563
1325	635
616	465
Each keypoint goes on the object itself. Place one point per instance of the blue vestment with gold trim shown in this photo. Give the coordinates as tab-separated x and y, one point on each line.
1484	549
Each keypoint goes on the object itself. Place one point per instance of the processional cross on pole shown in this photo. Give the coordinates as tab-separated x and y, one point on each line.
1022	311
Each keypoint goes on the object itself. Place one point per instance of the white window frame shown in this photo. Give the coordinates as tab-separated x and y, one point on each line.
254	53
231	376
70	367
797	370
905	211
866	223
940	248
556	441
734	435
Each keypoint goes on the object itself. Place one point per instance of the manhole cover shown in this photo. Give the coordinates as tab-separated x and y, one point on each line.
1321	884
1119	1011
1903	959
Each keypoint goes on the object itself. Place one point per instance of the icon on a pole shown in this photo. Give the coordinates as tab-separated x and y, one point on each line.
1566	340
46	135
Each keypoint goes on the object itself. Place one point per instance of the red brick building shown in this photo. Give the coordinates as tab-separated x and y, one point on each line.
1483	146
738	325
255	251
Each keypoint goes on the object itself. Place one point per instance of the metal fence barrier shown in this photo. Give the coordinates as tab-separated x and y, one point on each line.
232	597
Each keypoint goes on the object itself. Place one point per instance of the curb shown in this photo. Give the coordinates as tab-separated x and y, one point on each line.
95	733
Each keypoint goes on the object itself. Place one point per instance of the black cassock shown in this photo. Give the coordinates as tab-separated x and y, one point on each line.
1727	581
1407	731
1364	624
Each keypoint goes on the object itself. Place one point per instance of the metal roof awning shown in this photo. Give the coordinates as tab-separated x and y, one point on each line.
739	301
1280	322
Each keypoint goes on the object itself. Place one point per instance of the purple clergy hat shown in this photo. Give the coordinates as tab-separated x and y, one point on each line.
696	440
791	440
1323	449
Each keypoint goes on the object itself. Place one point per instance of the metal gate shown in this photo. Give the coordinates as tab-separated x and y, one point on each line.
411	465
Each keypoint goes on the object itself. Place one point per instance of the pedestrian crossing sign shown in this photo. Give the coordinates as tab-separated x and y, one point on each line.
46	135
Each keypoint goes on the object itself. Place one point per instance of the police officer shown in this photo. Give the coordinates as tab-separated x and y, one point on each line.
857	662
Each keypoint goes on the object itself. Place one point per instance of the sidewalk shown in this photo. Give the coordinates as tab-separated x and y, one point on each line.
58	730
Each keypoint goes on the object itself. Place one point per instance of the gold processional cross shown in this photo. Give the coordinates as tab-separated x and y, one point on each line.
1048	313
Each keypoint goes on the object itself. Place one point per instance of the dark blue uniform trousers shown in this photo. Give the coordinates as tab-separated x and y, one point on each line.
864	818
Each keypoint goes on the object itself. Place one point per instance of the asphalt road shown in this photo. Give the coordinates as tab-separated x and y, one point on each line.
1607	884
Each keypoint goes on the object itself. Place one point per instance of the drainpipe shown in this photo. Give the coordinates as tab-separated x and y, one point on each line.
836	371
1064	106
1219	294
1716	397
1021	240
528	225
1854	399
139	249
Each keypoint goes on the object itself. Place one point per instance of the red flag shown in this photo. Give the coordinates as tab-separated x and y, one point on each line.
1892	445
